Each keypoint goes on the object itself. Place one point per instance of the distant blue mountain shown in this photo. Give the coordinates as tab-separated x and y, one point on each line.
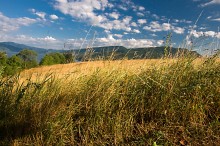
120	52
12	48
133	53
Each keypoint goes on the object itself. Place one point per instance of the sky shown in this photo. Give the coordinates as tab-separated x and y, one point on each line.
73	24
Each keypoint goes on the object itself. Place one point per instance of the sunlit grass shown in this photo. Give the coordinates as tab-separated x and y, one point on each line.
72	69
127	102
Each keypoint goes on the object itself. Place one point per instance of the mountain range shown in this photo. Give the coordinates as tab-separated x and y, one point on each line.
12	48
119	52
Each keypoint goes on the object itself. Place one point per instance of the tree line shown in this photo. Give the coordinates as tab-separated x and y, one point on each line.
27	59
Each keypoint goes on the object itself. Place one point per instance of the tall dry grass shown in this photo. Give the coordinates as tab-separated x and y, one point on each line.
138	102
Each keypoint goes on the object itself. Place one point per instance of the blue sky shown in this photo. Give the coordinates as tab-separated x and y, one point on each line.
82	23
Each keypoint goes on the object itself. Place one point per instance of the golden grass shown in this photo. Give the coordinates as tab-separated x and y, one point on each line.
86	68
127	102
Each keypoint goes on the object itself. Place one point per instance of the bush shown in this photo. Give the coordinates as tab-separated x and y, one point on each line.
53	58
29	58
14	65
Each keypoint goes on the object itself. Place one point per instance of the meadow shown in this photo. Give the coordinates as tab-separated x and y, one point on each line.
124	102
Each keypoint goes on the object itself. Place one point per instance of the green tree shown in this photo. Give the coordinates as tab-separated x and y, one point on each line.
15	61
29	58
53	58
13	65
47	60
3	58
58	58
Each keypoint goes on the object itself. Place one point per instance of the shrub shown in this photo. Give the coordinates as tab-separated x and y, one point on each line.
53	58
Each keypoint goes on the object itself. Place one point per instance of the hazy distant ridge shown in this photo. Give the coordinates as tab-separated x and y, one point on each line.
12	48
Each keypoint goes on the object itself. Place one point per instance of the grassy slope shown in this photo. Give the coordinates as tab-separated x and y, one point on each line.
169	102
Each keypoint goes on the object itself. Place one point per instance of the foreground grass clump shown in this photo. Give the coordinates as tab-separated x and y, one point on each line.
171	104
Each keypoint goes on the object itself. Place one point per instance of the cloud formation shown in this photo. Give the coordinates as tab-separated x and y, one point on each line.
142	21
54	17
111	41
92	13
41	15
155	26
47	42
83	10
11	24
129	43
136	31
114	15
198	34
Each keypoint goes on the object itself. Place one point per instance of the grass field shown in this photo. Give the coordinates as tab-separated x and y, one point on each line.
72	69
127	102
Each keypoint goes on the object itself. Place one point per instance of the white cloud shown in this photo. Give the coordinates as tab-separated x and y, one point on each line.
127	19
129	43
11	24
83	10
127	29
25	38
47	42
111	41
198	34
48	38
134	24
136	31
178	30
54	17
32	10
176	20
110	5
202	28
212	2
107	31
114	15
86	11
140	14
142	21
155	26
182	21
118	35
129	5
141	8
51	42
218	35
123	24
160	42
166	26
154	35
210	33
40	14
123	7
